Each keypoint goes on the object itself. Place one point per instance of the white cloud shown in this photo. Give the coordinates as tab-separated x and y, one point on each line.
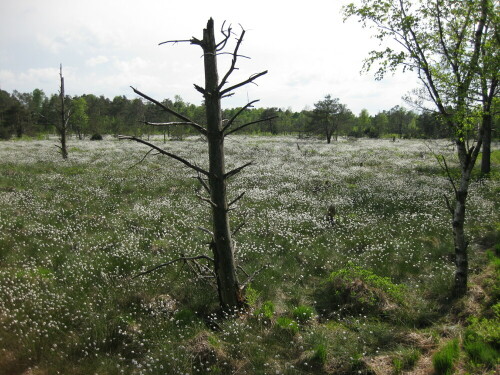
97	60
107	46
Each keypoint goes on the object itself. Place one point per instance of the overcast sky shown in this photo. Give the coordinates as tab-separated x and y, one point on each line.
105	46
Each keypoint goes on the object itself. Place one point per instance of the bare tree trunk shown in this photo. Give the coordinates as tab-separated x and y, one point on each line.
64	119
230	295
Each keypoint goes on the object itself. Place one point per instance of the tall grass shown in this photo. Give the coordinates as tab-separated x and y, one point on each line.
74	233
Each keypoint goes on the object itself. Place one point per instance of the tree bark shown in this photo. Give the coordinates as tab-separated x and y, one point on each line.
230	294
64	120
486	157
467	160
460	242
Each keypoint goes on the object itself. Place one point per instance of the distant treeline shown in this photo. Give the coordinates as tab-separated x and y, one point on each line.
35	113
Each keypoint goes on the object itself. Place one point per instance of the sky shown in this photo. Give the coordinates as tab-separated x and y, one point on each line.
106	46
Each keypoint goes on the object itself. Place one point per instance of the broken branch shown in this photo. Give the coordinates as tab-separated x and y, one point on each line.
236	199
231	120
233	62
203	183
144	157
250	279
172	112
238	228
163	152
448	205
236	170
172	261
193	40
207	200
249	80
166	123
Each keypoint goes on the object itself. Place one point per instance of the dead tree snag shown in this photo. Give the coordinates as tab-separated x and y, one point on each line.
63	127
214	180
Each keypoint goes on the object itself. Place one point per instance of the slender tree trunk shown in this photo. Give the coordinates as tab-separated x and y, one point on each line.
467	160
230	295
486	158
64	120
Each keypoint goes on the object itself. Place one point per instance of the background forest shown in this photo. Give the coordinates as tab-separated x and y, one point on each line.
35	113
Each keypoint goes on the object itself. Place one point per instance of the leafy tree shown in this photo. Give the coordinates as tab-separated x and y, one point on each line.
79	117
440	40
270	115
6	102
488	85
326	117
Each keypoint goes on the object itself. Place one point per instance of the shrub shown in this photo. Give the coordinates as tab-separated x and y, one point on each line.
479	351
303	314
266	310
251	295
354	290
287	324
444	359
96	137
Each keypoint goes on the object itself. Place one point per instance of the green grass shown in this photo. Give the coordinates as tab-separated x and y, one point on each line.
73	234
444	360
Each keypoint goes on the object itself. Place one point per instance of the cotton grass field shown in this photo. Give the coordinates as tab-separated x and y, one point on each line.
364	290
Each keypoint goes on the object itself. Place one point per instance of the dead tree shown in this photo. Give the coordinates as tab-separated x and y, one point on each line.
62	128
214	180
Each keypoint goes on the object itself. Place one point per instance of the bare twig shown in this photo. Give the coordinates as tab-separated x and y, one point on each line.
172	123
252	277
449	176
143	158
233	62
236	170
193	124
231	120
199	89
243	270
209	232
241	225
444	167
448	205
227	34
193	40
249	80
203	183
208	200
163	152
236	199
171	262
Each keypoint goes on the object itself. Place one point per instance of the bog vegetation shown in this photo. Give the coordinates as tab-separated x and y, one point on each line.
362	289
